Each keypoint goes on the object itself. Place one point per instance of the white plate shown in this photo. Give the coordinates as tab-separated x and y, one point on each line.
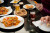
1	1
12	27
42	27
9	11
13	1
32	2
29	5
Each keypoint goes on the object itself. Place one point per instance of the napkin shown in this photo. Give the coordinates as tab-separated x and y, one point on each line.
41	26
37	23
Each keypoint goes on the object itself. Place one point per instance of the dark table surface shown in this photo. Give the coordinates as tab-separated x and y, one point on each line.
38	16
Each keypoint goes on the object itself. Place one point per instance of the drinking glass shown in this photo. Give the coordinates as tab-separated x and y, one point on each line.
32	14
17	7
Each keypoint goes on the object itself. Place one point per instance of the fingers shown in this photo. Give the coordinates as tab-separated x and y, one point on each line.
47	19
39	6
42	19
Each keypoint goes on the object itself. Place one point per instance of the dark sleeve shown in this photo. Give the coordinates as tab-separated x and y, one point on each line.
39	1
45	11
46	2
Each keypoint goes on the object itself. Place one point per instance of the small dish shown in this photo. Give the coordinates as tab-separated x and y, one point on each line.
29	6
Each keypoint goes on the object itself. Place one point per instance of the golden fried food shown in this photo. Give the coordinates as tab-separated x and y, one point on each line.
31	6
28	6
22	12
10	21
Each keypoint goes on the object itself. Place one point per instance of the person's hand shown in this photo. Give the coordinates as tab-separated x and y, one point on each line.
39	6
46	18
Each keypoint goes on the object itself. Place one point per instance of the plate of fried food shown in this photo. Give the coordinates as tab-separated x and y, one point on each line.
21	12
5	10
11	22
14	1
42	25
29	6
1	1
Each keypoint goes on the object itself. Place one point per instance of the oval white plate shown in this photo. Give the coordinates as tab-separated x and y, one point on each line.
42	27
1	1
12	27
13	1
9	11
29	5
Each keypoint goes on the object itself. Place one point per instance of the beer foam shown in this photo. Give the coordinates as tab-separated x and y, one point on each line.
32	12
21	3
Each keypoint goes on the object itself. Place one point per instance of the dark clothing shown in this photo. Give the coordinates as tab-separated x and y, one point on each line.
46	7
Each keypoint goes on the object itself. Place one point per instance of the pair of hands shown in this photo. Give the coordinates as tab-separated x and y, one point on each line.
39	6
46	18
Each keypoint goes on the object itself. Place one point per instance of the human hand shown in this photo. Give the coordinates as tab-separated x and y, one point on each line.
46	18
39	6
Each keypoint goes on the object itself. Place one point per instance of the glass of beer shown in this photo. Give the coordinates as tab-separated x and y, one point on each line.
21	5
32	14
17	7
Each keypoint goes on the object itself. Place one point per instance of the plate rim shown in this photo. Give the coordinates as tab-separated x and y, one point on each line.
29	4
40	28
13	0
13	15
8	11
